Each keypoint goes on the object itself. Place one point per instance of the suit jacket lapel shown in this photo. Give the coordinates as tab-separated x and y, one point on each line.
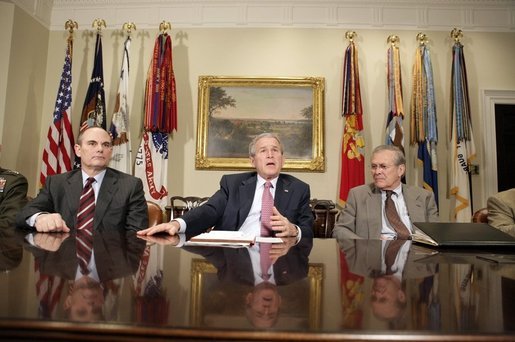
415	208
74	187
247	190
282	194
375	212
105	195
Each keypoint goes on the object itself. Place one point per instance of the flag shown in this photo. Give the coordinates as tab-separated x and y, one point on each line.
58	154
423	130
159	121
353	161
48	291
152	166
463	149
394	129
160	94
93	111
120	128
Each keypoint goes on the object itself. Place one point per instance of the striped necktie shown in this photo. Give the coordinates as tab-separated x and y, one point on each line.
392	215
84	225
267	203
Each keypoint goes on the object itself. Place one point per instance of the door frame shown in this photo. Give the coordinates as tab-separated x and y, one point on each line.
490	99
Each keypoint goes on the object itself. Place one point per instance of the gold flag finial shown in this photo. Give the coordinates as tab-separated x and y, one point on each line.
165	26
71	25
422	38
350	35
128	27
393	40
98	23
456	34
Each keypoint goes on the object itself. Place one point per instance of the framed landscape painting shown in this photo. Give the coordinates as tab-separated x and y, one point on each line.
233	110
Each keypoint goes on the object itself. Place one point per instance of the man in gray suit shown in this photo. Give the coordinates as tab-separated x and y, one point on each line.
364	213
119	197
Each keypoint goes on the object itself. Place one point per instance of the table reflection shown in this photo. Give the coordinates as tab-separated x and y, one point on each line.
313	286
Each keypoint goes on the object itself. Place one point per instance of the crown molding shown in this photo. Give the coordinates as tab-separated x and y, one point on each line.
435	15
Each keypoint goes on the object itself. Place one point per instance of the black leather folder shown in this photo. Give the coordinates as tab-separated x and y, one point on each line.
460	234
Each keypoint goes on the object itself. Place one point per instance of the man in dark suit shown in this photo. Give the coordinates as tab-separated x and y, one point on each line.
119	198
240	266
237	204
364	213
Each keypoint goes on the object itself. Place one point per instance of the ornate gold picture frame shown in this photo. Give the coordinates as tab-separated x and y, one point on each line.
217	305
232	110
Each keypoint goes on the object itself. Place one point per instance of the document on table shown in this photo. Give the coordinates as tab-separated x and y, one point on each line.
222	238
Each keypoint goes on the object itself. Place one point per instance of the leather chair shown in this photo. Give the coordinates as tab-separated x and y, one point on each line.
155	214
324	213
180	205
480	216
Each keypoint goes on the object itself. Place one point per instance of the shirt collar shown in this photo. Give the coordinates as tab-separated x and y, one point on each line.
98	178
261	181
397	191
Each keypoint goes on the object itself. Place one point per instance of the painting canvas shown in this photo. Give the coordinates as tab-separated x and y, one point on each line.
234	110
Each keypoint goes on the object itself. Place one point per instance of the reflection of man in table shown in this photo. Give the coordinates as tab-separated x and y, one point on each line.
389	263
114	255
289	263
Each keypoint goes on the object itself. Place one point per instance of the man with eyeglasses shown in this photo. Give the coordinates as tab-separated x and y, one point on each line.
365	214
117	200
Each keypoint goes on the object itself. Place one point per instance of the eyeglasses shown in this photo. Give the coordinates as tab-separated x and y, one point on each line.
381	167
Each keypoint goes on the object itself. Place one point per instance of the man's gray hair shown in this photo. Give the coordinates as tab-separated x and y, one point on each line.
399	159
252	145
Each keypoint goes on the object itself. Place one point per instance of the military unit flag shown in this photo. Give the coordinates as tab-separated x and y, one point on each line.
423	129
462	145
120	128
160	120
353	161
394	129
58	154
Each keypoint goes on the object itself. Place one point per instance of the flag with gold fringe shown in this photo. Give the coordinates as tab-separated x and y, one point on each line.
160	120
58	155
120	128
462	146
423	129
353	161
394	128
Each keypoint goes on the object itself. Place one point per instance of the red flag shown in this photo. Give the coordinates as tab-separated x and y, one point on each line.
160	96
58	153
353	161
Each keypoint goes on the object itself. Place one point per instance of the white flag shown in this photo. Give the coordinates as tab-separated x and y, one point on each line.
152	166
120	127
463	153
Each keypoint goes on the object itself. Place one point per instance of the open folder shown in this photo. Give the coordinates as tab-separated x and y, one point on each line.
227	238
460	234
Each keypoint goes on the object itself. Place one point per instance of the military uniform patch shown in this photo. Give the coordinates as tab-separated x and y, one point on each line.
2	184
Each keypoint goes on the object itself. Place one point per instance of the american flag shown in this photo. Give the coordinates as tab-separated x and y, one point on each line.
58	153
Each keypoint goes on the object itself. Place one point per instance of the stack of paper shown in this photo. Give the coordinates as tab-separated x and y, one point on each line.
222	238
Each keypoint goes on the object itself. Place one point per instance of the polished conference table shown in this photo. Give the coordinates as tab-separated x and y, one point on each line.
321	289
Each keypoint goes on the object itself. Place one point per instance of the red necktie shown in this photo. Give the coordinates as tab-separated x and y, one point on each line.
85	217
267	203
264	258
394	219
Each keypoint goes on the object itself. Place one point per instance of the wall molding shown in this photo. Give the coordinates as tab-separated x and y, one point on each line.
429	15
